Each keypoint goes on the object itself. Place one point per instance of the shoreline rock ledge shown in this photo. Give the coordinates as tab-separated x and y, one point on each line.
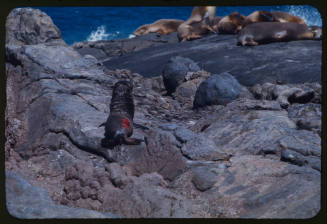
257	155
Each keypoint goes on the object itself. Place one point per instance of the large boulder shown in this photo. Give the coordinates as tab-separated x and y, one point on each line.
30	26
217	89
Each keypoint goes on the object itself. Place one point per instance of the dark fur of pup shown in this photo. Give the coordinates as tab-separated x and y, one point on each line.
119	125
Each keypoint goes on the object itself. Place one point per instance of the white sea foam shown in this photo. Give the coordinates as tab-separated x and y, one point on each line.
310	15
131	36
101	34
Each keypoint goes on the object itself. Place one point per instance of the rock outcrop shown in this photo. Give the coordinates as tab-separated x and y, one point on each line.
251	158
31	26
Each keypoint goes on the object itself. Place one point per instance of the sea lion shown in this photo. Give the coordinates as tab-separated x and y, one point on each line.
199	23
231	24
119	125
162	26
259	16
215	23
277	16
191	32
267	32
199	13
284	17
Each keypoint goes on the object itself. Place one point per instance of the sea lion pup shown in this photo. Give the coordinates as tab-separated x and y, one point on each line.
231	24
267	32
119	125
284	17
162	26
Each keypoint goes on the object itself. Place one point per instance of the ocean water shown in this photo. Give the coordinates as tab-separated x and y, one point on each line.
106	23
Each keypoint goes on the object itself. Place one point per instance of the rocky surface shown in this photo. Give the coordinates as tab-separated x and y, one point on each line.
258	156
288	62
25	201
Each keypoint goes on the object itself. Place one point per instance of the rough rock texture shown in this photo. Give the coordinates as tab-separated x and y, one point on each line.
185	92
250	158
175	71
26	201
30	26
217	89
104	50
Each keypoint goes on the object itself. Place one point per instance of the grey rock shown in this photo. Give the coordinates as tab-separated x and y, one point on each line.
161	155
25	201
117	175
200	147
150	198
104	50
185	92
175	71
307	116
217	89
31	26
183	134
302	141
168	126
292	157
203	179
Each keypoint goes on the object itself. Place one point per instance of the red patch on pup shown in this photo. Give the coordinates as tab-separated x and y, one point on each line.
125	122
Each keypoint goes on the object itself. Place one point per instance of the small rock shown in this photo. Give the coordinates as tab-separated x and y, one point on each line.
203	179
175	71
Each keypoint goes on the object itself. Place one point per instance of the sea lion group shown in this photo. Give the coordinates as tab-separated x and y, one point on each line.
259	27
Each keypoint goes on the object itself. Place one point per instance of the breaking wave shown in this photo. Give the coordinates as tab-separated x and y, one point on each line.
101	34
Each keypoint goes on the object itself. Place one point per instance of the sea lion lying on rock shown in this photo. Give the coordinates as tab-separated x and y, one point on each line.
267	32
231	24
284	17
119	125
215	23
278	16
259	16
199	13
162	26
199	23
191	32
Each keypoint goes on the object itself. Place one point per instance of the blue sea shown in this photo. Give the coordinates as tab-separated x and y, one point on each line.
107	23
